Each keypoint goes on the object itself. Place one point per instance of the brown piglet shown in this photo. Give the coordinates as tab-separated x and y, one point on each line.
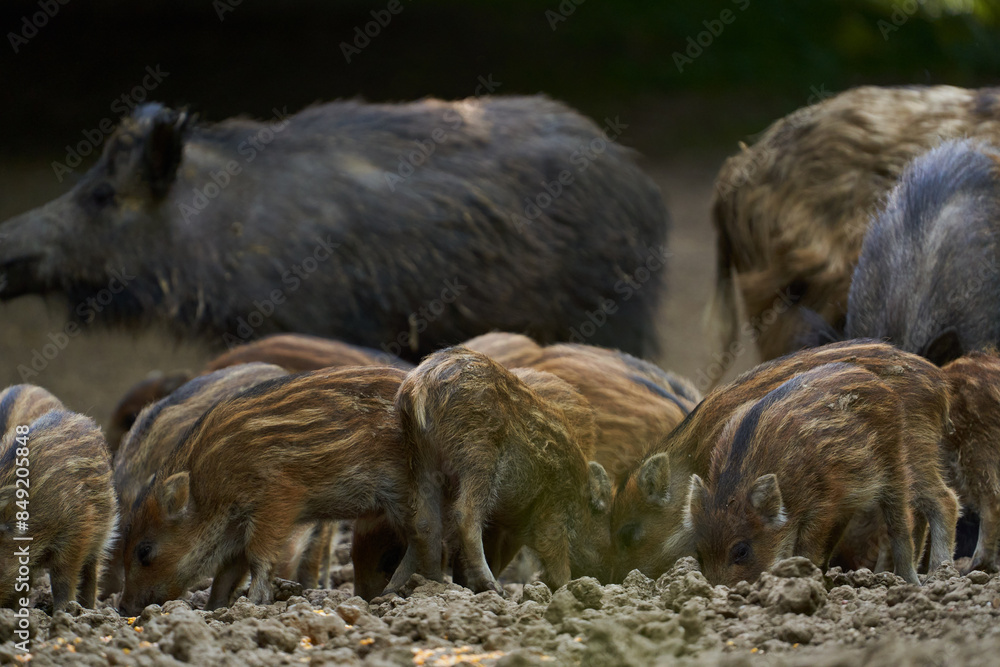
972	452
55	488
318	446
491	450
791	470
646	518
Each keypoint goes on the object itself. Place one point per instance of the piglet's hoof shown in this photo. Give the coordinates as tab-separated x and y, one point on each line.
284	589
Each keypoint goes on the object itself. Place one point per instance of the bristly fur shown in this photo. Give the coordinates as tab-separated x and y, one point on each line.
928	277
645	527
790	212
73	510
322	218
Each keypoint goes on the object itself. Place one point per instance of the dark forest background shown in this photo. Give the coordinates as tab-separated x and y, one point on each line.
225	57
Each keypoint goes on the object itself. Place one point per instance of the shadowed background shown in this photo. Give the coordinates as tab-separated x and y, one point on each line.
689	79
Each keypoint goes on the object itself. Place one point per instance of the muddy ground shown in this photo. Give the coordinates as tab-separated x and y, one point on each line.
793	616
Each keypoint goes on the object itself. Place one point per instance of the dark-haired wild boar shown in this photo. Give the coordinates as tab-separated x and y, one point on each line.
318	446
972	451
646	518
157	443
928	278
492	451
791	211
493	218
69	507
293	352
790	471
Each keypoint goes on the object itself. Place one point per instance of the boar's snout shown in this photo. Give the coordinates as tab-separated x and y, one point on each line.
26	243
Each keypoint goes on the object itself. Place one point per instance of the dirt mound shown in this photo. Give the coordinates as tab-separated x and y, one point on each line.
793	615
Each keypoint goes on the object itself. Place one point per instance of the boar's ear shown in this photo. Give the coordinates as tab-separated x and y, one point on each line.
175	494
697	495
765	496
600	488
944	348
163	148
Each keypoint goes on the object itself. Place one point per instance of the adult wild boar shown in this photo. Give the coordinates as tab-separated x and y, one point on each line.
928	278
398	226
791	211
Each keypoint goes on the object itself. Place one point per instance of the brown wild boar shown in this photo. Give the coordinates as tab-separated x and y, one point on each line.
155	444
791	211
791	470
499	454
318	446
972	452
70	503
293	352
646	517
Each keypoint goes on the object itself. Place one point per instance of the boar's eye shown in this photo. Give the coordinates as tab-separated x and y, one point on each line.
102	196
628	534
740	553
144	553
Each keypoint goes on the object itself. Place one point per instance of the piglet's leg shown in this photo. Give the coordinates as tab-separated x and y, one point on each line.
229	575
940	506
985	556
469	519
261	574
87	595
64	581
899	529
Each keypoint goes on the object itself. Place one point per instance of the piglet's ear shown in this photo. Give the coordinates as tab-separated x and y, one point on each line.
600	488
765	496
163	136
697	496
175	494
654	480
